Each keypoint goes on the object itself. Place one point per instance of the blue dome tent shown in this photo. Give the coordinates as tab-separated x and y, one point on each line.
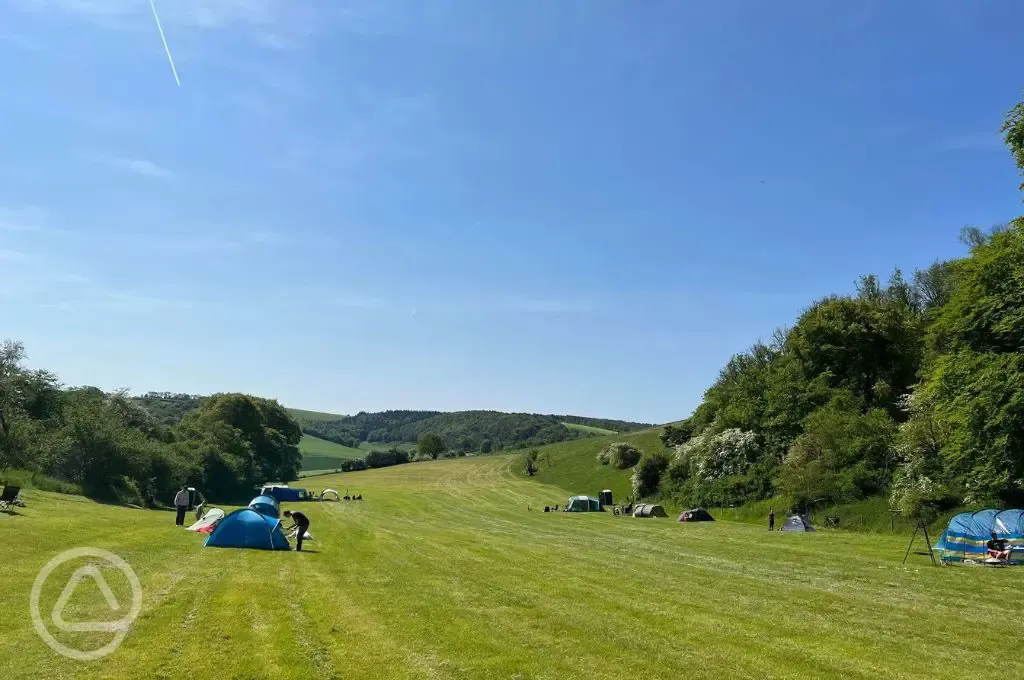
967	534
247	528
266	505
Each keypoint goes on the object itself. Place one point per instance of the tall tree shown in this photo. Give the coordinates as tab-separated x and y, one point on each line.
431	445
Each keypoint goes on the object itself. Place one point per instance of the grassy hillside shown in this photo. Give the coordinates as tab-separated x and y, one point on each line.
302	414
589	429
573	465
442	572
318	454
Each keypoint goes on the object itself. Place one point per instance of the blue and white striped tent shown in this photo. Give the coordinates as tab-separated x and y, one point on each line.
967	533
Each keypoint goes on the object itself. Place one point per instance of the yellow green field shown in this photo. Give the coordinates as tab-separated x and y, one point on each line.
450	569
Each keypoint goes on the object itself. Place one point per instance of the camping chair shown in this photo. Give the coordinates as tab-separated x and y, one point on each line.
9	498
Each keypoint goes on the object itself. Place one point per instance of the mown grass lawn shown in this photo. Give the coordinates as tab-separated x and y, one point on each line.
443	572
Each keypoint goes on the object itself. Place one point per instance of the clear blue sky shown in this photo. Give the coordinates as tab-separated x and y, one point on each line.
579	206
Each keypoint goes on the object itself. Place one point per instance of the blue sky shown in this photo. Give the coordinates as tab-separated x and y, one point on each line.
580	206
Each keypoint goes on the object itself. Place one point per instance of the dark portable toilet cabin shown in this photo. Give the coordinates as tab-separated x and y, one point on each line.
606	497
649	510
696	515
797	523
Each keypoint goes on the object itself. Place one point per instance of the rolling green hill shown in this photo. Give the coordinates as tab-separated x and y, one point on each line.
573	465
319	454
301	414
589	429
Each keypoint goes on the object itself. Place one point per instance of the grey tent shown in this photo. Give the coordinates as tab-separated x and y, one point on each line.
696	515
797	523
649	510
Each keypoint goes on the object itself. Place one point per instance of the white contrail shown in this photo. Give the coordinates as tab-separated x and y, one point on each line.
163	38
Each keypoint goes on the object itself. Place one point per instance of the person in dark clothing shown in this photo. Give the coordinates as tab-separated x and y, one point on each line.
997	548
771	519
302	522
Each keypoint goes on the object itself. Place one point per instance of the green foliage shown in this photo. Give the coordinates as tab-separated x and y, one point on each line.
1013	129
531	463
430	445
843	454
677	434
111	446
621	455
647	474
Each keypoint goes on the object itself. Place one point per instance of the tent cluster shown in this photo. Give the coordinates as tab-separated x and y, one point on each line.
257	526
965	538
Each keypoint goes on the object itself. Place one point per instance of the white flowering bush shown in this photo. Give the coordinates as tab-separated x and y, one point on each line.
711	456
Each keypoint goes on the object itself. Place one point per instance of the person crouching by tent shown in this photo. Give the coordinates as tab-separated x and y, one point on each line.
181	505
302	522
997	548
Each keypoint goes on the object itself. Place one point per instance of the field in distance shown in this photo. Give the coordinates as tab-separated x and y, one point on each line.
319	454
443	572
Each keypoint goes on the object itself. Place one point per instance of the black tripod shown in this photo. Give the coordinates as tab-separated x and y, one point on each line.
922	527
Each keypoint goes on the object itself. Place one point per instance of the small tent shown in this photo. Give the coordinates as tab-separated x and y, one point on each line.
696	515
583	504
605	497
209	518
967	534
649	510
797	523
247	528
325	492
266	505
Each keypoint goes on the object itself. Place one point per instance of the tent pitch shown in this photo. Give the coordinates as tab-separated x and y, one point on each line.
797	523
649	510
247	528
696	515
583	504
967	534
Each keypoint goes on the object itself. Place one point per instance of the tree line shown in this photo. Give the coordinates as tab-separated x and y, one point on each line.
110	447
910	388
464	431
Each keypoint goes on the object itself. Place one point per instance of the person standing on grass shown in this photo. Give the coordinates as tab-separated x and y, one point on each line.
300	521
181	505
771	519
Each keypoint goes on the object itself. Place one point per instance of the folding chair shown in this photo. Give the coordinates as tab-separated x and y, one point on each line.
8	498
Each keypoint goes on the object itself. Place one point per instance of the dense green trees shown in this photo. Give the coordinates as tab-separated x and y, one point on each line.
430	445
915	389
111	447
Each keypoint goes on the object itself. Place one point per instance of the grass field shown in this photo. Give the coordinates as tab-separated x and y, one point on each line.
442	572
589	429
320	454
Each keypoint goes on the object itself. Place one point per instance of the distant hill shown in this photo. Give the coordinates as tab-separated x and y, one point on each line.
319	454
301	414
573	465
464	431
